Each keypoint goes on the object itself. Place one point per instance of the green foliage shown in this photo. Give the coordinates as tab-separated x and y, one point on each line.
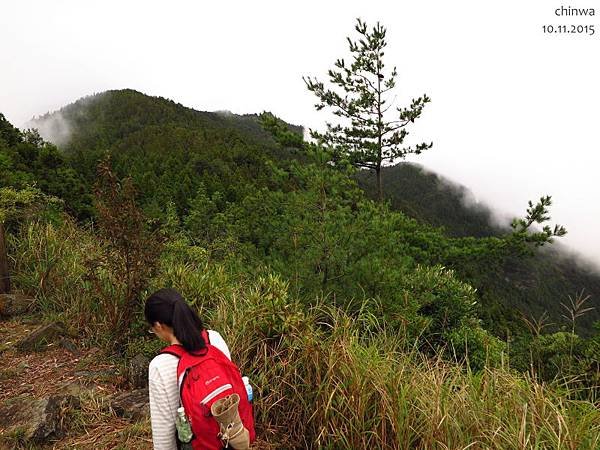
510	275
148	346
169	151
431	199
9	135
590	363
19	202
50	264
277	316
323	237
283	134
189	269
238	204
26	161
556	355
440	313
537	214
206	221
239	193
327	377
327	382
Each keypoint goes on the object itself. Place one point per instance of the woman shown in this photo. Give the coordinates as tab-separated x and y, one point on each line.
173	321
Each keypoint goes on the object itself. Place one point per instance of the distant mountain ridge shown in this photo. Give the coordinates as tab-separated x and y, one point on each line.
123	112
434	199
172	151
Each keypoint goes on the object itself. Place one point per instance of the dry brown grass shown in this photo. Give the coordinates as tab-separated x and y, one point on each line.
50	372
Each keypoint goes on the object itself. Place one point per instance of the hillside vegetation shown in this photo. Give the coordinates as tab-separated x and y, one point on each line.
362	325
533	284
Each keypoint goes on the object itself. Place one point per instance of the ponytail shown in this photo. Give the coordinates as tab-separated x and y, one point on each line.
168	307
187	326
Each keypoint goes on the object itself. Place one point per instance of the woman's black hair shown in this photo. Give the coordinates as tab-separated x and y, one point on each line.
168	307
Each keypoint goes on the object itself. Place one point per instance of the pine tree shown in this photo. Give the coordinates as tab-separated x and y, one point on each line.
372	136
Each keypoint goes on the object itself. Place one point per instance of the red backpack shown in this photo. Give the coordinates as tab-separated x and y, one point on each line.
205	377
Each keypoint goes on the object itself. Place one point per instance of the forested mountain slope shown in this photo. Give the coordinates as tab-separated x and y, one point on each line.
433	199
174	153
535	284
167	148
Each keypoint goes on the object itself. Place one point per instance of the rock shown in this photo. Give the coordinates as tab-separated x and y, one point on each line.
132	404
138	371
76	389
48	415
37	419
40	338
15	304
70	346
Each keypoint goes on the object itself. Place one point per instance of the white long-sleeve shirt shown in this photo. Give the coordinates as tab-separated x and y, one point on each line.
164	394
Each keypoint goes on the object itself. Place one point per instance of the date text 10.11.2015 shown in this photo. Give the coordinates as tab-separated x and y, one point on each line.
569	29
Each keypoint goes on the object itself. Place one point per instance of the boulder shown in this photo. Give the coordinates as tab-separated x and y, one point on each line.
70	346
133	405
138	372
48	415
15	304
37	419
76	389
40	338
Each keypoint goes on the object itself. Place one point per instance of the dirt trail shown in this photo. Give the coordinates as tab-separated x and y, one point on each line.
82	373
88	376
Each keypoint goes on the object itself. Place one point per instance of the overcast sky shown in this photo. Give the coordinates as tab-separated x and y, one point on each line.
514	112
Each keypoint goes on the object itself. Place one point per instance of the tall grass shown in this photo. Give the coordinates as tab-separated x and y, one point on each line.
49	263
342	391
325	377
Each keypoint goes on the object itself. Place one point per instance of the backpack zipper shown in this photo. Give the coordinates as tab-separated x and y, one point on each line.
216	392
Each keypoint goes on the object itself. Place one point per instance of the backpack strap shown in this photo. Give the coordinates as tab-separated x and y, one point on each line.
175	350
182	354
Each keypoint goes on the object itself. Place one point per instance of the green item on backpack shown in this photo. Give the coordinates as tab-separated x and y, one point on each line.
184	429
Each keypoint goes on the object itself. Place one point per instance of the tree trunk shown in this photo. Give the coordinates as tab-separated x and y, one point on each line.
4	274
379	186
379	134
